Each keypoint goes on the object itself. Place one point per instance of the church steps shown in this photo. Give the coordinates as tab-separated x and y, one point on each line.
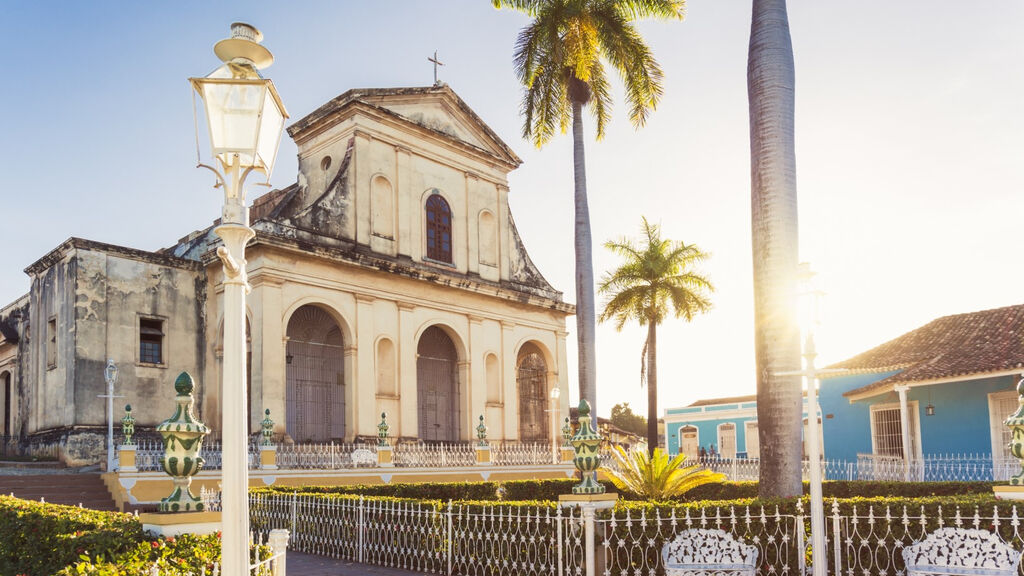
70	489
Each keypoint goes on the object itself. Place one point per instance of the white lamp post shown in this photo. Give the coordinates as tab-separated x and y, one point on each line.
110	377
555	394
811	296
245	117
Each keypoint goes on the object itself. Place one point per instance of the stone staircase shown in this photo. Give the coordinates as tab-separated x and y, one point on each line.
60	488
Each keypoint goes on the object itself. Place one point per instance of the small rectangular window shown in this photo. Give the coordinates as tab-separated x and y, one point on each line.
151	341
51	343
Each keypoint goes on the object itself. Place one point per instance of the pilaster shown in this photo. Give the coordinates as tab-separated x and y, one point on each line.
408	423
364	423
508	380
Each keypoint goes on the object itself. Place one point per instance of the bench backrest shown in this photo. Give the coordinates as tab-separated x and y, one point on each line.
964	551
699	550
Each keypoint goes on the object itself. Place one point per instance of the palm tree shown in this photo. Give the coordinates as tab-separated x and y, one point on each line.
560	60
657	275
770	91
655	476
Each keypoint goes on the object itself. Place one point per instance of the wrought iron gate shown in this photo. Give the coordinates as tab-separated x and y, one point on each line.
315	380
531	379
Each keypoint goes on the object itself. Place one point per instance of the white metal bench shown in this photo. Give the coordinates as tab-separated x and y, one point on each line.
960	551
363	457
701	551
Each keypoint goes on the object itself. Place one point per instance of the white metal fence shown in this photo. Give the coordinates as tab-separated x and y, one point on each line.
336	456
502	539
932	468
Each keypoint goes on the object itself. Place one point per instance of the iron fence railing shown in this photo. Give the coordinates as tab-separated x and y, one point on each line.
508	539
932	468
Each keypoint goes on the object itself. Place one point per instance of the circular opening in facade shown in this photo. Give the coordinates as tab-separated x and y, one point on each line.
325	163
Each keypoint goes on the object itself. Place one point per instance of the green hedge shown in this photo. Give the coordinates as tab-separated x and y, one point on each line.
38	539
552	489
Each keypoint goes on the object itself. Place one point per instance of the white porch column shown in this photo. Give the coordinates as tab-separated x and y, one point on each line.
905	430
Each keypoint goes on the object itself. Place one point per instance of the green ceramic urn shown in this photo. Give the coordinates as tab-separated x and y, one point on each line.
183	439
587	444
1016	424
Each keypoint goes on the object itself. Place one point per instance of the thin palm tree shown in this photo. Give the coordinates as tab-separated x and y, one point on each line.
560	59
770	92
657	277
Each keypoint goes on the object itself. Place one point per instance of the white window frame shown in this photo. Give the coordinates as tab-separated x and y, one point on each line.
915	426
746	440
995	421
719	451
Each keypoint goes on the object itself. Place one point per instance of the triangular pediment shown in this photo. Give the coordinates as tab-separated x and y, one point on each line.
435	108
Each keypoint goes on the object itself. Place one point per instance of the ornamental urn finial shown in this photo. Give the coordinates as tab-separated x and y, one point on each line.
128	426
267	428
481	433
382	430
183	437
587	459
1016	425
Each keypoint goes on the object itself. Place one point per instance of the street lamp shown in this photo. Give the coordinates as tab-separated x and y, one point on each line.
554	394
244	117
110	377
810	295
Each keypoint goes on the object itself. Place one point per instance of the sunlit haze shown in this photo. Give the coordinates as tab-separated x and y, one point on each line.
910	154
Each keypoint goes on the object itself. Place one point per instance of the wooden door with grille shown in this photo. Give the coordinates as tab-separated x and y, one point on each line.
437	387
315	377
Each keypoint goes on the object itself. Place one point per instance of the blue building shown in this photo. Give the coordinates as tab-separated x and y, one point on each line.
952	381
940	392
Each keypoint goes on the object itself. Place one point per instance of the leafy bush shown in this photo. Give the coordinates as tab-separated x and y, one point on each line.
657	476
39	539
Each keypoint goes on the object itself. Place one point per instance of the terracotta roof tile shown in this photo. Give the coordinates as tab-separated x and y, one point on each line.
975	343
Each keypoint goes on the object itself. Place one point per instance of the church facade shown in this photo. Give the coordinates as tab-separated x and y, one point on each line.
389	278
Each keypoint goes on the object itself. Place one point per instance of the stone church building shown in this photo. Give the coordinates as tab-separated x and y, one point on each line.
389	278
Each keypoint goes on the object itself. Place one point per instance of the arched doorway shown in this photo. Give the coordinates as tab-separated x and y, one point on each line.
531	381
689	442
315	376
437	387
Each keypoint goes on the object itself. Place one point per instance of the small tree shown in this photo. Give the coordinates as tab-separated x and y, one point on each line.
624	417
656	477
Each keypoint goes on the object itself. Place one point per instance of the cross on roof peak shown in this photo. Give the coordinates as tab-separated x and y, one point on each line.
436	64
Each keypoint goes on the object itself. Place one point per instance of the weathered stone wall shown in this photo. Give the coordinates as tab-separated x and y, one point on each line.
113	292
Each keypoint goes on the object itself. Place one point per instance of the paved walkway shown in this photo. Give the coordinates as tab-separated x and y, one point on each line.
309	565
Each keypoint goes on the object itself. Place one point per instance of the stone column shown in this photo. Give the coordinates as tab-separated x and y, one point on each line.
508	380
408	422
268	355
477	376
364	424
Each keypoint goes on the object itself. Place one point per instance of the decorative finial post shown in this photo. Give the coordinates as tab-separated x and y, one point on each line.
382	430
268	450
126	452
268	428
566	449
128	426
481	433
1015	489
483	448
587	443
183	440
385	456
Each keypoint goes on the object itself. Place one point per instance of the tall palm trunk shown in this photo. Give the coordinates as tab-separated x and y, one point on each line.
652	387
770	91
585	311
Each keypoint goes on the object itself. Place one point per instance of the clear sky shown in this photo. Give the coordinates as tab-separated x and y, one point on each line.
909	124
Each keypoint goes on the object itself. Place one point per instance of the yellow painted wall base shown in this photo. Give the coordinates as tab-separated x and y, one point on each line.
176	523
145	488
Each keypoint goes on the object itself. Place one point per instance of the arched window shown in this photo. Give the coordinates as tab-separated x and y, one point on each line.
439	229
